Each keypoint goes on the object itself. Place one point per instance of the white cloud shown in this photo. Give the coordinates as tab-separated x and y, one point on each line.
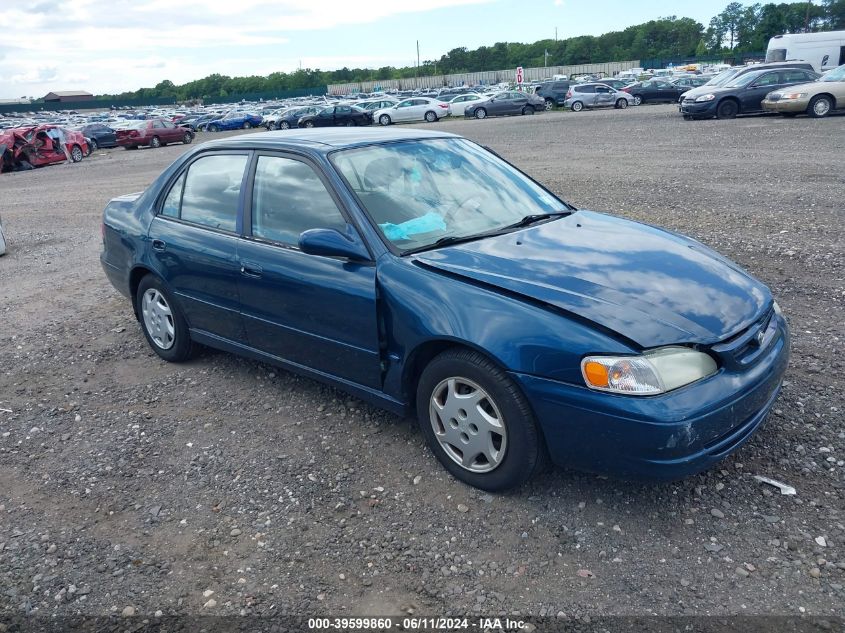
117	45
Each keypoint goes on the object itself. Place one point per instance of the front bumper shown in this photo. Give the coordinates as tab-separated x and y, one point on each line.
795	106
698	109
663	437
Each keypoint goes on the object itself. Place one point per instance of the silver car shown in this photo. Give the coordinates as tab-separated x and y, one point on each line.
596	95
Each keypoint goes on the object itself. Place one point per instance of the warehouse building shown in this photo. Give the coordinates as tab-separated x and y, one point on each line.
68	95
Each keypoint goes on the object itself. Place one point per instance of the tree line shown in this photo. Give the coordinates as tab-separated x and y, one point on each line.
737	29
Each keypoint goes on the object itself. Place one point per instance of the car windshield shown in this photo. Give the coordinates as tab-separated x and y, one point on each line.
419	192
722	78
837	74
744	80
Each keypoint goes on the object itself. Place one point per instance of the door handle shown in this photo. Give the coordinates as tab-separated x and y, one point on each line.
159	245
251	270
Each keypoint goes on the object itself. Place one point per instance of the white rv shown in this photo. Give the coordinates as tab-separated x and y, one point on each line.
823	50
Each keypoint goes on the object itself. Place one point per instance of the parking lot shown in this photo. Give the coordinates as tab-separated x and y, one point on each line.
129	482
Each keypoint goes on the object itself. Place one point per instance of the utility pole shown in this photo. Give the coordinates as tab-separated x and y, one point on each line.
545	58
807	17
418	63
555	34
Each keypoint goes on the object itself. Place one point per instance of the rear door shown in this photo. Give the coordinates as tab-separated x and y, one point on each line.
342	114
403	111
193	242
172	132
315	311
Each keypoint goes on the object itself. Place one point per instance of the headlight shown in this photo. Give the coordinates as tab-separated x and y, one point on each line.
793	95
653	372
708	97
777	309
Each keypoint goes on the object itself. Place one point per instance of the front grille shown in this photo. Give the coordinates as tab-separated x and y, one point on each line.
744	349
773	97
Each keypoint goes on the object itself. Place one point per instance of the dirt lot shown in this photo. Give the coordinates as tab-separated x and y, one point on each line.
128	482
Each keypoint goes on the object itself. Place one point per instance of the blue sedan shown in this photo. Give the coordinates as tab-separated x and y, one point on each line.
422	273
234	121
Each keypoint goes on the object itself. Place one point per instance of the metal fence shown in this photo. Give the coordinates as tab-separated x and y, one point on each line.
738	59
490	77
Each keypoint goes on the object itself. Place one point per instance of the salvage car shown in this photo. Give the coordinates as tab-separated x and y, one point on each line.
414	109
504	103
289	117
744	94
39	145
816	99
596	95
234	121
152	133
424	274
343	115
655	91
99	135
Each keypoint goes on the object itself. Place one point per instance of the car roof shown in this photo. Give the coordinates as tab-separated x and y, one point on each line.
325	140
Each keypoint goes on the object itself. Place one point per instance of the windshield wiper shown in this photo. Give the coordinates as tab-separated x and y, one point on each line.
528	220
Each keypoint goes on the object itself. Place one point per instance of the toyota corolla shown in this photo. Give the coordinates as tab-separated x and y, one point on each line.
425	274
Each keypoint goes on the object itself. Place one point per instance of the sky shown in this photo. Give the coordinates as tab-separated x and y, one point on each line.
112	46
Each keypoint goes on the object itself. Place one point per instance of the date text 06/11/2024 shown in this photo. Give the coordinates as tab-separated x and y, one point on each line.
416	624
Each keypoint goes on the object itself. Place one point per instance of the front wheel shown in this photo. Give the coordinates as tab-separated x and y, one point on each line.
477	422
284	125
247	125
213	128
527	110
549	104
481	113
272	126
76	154
155	142
162	322
727	109
577	106
820	106
430	116
187	138
638	100
93	144
622	104
350	123
309	124
384	120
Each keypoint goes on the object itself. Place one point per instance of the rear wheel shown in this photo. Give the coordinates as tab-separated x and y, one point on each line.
272	126
155	142
187	138
213	128
284	125
480	113
549	104
350	123
621	103
577	106
76	154
477	422
309	124
528	110
727	109
384	119
93	144
430	116
162	322
820	106
247	125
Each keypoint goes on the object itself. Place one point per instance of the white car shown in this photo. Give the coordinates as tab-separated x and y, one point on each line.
458	104
413	109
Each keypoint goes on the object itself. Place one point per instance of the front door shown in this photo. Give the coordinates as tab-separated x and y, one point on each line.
751	96
315	311
604	97
193	242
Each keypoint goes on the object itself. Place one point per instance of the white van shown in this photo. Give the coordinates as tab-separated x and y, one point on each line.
823	50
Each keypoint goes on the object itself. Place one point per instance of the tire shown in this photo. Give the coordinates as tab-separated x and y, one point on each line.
549	104
350	123
155	142
384	119
480	113
727	109
577	106
187	138
93	144
247	125
527	110
162	322
621	104
638	100
76	154
309	124
430	116
284	125
820	106
212	128
519	448
272	126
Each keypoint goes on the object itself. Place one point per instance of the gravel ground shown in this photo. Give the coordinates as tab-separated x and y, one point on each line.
224	486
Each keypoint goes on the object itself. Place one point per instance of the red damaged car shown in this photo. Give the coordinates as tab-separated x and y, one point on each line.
153	133
34	146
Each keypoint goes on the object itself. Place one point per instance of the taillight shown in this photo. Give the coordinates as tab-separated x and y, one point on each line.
443	105
568	94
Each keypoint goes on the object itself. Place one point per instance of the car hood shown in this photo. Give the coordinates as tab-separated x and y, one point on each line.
646	284
810	86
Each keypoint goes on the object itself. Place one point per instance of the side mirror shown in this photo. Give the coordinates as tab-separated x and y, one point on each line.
333	243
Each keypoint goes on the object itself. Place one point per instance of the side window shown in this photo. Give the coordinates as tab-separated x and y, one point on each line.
158	125
168	125
769	79
587	89
170	208
212	191
343	110
288	198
